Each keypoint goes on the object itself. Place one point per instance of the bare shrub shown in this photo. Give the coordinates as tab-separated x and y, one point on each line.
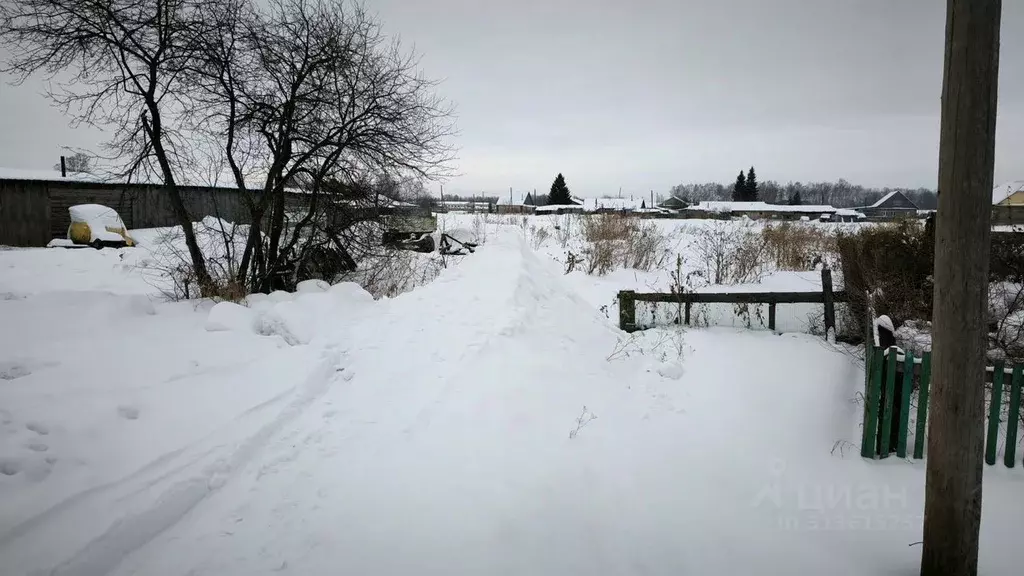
582	420
538	236
397	271
168	266
564	230
1006	321
730	252
600	257
893	263
797	247
480	228
614	240
646	247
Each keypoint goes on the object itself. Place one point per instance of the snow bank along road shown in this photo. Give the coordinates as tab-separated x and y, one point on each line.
440	432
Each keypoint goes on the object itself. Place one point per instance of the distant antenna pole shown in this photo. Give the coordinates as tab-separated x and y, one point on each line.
652	199
63	168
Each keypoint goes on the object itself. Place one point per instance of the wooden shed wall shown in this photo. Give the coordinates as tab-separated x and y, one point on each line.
33	212
24	213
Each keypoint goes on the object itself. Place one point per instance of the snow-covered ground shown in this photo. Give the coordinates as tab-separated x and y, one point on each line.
493	421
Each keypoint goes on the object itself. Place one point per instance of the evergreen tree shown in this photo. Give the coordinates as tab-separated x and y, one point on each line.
794	199
559	192
739	191
751	195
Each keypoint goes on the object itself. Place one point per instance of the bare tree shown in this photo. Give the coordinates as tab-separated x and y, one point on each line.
310	93
118	64
952	515
79	162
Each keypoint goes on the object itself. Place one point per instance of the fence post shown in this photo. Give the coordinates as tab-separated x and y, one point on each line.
888	402
904	420
922	405
993	413
627	310
1012	418
687	321
771	316
829	299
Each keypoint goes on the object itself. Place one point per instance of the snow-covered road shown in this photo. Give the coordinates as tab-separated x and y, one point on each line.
490	422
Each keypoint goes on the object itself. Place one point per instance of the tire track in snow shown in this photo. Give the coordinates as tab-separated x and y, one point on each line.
161	464
127	534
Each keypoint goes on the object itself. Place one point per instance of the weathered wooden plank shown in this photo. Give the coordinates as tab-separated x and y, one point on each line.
627	310
888	401
922	405
1013	418
908	383
739	297
828	298
993	414
868	443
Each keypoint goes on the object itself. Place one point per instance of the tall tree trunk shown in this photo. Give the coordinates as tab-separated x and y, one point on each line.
952	516
155	130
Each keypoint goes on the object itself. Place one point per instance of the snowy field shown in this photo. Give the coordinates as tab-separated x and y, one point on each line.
492	421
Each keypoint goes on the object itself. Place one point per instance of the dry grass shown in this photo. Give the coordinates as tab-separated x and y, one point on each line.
797	247
614	241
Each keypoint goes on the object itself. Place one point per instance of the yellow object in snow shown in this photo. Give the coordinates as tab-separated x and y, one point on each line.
99	226
81	233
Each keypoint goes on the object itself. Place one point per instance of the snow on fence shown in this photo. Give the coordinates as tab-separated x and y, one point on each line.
892	378
827	297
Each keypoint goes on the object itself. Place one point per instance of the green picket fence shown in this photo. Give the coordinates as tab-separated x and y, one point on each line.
887	419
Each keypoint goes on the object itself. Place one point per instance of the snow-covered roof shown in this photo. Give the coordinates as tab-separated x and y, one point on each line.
557	207
884	199
849	212
595	204
506	201
1003	191
54	176
721	206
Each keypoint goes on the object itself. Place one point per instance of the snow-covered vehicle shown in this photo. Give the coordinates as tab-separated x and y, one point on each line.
98	226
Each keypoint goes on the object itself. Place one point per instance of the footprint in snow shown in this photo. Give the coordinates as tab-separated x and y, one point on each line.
38	428
13	370
9	467
36	446
128	412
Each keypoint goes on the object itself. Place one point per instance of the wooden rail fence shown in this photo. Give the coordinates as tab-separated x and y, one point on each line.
827	297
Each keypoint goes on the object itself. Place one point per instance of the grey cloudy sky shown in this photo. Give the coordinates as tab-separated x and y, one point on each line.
645	94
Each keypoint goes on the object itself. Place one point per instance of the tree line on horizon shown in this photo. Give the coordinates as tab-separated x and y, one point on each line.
840	193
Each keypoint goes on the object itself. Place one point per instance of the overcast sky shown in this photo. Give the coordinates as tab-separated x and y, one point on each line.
645	94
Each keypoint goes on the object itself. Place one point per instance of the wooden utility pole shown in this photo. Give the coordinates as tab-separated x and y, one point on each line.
952	512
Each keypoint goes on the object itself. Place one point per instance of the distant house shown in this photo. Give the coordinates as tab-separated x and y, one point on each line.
673	203
472	206
1008	203
507	206
614	204
893	205
758	211
560	209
